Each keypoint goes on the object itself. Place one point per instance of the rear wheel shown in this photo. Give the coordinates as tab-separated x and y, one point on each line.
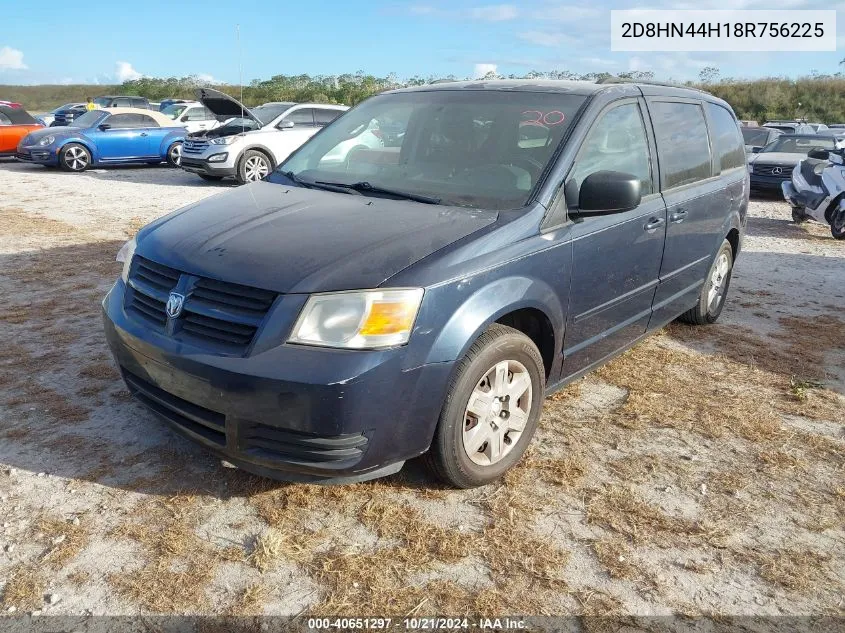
74	157
715	289
174	154
491	411
253	166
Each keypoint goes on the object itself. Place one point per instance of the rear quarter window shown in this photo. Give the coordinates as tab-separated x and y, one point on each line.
682	143
727	140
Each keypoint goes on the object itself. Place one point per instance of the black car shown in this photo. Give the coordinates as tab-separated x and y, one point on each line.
755	138
67	115
774	163
338	318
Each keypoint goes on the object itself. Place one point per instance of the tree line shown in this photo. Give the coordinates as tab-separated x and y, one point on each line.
816	97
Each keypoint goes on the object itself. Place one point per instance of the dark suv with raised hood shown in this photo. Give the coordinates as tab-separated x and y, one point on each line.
347	314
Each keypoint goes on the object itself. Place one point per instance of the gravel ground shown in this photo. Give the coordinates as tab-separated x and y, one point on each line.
702	472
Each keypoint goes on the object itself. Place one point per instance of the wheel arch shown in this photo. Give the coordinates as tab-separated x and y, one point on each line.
87	144
528	305
259	148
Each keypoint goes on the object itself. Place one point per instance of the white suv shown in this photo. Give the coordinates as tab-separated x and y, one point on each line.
253	141
192	115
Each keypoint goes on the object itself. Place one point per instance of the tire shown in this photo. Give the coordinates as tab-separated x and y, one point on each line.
74	157
174	154
708	309
210	178
254	165
798	215
453	456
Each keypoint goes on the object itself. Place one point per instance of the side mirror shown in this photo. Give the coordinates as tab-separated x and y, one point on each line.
822	154
608	192
104	126
286	124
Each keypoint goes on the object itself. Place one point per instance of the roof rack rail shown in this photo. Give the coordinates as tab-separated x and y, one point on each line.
650	82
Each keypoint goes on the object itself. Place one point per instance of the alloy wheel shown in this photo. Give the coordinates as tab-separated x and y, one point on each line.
176	154
497	412
76	158
255	168
718	282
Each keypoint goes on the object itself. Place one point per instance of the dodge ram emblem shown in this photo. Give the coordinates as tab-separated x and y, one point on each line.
174	305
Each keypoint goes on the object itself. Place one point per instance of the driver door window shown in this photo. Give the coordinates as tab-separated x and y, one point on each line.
617	142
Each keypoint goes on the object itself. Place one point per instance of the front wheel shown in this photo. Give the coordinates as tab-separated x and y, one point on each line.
253	166
74	157
837	224
715	289
174	154
491	410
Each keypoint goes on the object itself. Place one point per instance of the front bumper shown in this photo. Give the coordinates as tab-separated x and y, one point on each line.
37	154
291	412
789	193
202	166
768	183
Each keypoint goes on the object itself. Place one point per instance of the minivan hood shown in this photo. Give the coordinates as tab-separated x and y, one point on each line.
223	105
296	240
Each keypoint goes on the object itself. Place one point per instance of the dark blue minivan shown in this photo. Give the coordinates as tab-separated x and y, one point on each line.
368	303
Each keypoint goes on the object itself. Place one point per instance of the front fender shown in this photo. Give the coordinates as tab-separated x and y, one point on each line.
489	303
80	139
168	140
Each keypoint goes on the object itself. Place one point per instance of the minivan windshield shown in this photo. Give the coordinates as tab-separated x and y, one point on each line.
792	144
472	148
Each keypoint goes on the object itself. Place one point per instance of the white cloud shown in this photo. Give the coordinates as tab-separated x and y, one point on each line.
542	38
11	59
494	13
208	79
481	70
125	72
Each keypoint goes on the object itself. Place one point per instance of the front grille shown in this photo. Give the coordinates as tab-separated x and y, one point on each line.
220	316
785	171
194	146
194	418
23	156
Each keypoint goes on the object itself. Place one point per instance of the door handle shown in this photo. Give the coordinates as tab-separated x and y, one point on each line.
654	223
678	216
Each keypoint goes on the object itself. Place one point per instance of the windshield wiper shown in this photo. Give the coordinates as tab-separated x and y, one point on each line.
365	187
326	186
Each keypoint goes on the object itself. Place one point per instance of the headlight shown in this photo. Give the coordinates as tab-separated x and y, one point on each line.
125	255
223	140
47	140
364	319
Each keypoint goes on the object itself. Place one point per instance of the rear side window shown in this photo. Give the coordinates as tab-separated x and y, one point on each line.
139	103
130	121
727	140
682	143
324	117
304	117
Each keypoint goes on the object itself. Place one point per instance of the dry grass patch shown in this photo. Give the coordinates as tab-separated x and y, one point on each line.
250	601
178	564
63	539
620	509
268	550
15	222
99	371
24	588
796	570
566	472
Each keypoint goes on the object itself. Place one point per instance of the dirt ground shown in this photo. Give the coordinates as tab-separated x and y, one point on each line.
703	472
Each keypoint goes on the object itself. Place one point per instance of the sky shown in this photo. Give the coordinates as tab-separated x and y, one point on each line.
112	42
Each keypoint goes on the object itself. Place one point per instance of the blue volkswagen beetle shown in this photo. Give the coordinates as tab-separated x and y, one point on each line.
116	136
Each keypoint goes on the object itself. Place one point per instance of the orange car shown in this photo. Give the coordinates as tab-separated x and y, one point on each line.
15	123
